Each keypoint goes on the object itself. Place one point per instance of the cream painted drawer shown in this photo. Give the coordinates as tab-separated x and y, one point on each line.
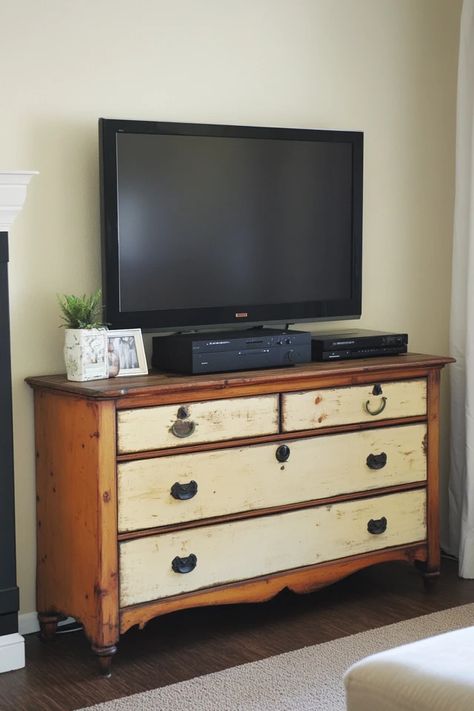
211	421
359	403
187	487
249	548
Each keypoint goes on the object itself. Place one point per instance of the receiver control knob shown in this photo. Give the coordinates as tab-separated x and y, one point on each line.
291	356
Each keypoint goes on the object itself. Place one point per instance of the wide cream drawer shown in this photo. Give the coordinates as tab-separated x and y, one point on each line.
359	403
168	564
211	421
187	487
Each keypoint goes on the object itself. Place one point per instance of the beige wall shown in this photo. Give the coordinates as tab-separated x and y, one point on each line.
387	67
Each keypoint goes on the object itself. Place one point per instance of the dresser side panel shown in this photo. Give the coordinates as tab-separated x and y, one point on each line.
434	552
77	568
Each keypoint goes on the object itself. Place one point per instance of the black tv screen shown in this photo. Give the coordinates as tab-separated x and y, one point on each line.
206	225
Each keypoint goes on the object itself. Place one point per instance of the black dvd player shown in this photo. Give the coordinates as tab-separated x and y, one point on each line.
225	351
360	343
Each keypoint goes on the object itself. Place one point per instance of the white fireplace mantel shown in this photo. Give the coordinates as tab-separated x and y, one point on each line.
13	186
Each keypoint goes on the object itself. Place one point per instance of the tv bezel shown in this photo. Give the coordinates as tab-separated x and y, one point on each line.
198	318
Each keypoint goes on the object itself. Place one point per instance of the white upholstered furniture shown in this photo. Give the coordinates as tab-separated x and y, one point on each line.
434	674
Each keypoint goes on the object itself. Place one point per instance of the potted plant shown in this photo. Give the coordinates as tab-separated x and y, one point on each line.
85	342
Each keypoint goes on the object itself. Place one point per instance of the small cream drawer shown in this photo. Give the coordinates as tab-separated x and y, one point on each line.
174	425
168	564
359	403
188	487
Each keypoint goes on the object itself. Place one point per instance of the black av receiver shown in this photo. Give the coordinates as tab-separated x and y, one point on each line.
225	351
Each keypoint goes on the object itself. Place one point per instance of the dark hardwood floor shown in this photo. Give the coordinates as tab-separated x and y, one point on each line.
62	674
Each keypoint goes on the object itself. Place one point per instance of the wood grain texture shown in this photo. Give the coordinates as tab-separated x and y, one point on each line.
77	480
251	477
189	643
282	437
198	523
340	406
152	427
278	542
172	387
76	512
433	562
301	580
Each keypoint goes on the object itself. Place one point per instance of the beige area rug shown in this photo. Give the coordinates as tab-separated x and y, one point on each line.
308	679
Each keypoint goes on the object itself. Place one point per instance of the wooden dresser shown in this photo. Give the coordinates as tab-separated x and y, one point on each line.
162	492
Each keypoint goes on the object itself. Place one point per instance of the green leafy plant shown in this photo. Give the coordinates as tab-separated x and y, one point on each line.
81	311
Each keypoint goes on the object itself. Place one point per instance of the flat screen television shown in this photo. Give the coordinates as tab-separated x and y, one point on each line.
206	225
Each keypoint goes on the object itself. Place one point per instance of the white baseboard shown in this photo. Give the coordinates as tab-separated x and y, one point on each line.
28	622
12	652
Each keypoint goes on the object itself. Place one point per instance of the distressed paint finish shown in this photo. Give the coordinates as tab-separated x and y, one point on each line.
151	427
246	549
250	478
258	551
340	406
298	580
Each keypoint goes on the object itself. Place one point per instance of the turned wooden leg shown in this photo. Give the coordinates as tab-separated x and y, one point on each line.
430	575
430	578
48	623
104	656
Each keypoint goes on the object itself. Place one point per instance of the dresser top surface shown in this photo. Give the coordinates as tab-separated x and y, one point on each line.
174	382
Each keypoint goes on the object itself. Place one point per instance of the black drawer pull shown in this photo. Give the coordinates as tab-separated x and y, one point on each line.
377	461
283	453
184	491
184	565
379	409
183	412
377	525
183	428
377	389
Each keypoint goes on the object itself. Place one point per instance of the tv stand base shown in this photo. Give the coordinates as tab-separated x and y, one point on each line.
228	489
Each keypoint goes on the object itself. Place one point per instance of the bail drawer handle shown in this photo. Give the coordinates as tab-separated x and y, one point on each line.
376	461
377	525
379	409
184	491
184	565
283	453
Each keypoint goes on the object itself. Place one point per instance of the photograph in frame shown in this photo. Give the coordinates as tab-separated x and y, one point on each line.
126	353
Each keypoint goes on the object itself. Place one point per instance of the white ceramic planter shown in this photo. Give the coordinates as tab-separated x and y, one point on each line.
85	353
